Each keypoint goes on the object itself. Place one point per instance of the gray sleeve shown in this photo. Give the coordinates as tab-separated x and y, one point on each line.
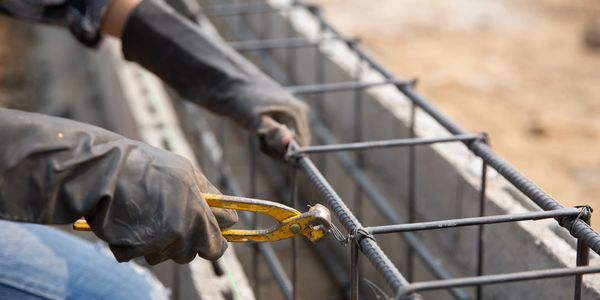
82	17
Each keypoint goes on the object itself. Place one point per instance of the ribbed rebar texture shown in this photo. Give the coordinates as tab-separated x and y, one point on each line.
368	246
526	186
577	228
284	71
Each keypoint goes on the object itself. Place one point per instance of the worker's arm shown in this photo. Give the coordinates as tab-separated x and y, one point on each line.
205	70
142	200
201	68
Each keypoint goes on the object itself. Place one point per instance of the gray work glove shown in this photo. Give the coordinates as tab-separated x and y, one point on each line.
208	72
142	200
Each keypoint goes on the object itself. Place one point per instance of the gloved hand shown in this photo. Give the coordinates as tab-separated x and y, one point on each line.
142	200
205	70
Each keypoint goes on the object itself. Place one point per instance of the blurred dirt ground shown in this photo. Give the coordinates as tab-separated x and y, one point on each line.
519	70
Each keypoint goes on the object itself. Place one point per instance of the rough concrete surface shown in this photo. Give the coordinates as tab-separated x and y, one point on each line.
447	179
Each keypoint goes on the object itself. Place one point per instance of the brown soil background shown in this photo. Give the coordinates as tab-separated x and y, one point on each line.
519	70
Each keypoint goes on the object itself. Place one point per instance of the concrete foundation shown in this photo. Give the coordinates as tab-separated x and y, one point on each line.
447	175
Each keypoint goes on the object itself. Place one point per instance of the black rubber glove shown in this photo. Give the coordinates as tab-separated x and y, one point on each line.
205	70
142	200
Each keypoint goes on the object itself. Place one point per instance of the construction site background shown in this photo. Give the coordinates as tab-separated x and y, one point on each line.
521	71
526	72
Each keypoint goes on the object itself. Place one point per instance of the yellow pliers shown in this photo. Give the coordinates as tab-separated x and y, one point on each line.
314	224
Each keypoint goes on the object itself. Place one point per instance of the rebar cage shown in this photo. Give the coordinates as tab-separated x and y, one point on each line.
277	56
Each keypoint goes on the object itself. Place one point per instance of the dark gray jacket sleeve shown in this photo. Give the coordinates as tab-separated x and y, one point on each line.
142	200
207	71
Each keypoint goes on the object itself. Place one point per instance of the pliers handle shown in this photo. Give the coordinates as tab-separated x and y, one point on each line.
314	224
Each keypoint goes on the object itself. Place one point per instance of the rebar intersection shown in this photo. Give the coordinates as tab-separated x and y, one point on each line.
576	220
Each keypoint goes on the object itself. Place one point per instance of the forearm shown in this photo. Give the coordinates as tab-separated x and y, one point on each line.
116	16
205	70
200	67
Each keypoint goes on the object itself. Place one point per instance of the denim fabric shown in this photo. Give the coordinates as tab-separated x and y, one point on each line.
40	262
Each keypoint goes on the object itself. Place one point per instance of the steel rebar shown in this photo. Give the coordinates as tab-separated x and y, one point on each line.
452	223
578	229
384	144
495	279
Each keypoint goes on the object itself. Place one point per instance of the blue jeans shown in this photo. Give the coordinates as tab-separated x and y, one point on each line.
40	262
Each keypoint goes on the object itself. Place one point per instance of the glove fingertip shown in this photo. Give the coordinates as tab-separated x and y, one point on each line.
225	217
123	253
215	251
154	259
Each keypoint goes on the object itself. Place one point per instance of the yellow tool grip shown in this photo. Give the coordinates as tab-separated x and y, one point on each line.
275	210
291	221
81	225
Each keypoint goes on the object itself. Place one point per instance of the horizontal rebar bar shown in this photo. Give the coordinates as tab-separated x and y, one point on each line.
383	205
385	144
232	9
341	86
577	228
494	279
282	43
442	224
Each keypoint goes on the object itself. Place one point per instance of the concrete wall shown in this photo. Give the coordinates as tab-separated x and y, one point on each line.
447	175
140	108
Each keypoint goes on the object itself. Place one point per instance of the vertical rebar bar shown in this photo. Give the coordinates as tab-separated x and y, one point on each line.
583	253
480	239
254	222
290	59
221	136
294	203
291	71
358	196
354	272
412	185
237	18
358	137
320	77
267	33
176	283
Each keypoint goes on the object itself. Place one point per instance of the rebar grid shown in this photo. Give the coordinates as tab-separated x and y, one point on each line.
360	238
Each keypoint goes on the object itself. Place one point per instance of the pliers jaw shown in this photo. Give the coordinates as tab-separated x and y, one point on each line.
314	224
319	224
